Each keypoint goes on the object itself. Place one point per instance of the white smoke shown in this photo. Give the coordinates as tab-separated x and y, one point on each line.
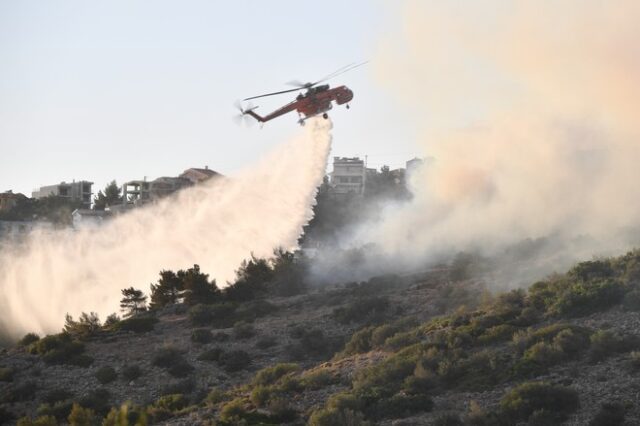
530	110
216	225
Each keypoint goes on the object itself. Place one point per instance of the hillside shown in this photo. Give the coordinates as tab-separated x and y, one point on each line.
431	348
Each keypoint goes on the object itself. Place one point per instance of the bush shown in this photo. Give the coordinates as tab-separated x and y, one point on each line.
56	395
59	349
6	374
243	330
537	359
97	400
586	297
218	315
60	410
235	360
232	411
167	357
401	340
201	335
131	372
266	342
497	333
139	324
634	360
401	405
185	386
610	414
317	379
40	421
520	403
25	391
631	301
369	309
448	419
215	396
606	343
172	403
360	342
181	369
213	354
270	375
260	395
81	416
106	375
28	339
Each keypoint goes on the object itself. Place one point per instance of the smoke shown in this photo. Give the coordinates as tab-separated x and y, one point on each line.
216	224
530	110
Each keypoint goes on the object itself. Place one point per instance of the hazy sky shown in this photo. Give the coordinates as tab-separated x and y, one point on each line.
127	89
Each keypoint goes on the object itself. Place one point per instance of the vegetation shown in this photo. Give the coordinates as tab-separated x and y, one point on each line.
106	375
133	302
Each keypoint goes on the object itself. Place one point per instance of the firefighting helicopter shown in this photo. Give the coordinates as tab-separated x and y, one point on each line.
316	100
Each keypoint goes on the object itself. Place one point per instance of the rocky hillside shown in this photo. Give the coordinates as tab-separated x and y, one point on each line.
433	348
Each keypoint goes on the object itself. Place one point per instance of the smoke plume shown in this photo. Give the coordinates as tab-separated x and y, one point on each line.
217	225
530	110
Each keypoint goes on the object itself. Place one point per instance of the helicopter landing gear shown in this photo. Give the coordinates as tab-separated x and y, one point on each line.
325	115
348	106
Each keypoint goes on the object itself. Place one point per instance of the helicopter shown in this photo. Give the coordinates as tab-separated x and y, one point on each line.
317	99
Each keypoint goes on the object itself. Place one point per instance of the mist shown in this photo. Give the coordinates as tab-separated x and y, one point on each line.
530	112
216	225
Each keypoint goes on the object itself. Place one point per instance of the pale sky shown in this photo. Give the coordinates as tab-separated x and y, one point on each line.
127	89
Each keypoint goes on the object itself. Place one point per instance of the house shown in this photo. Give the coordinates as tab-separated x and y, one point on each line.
8	200
140	192
348	176
75	191
197	176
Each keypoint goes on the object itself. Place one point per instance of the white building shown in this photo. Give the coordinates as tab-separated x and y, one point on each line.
348	176
75	191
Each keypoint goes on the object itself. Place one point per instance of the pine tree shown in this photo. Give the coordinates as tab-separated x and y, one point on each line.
109	197
133	302
168	291
197	287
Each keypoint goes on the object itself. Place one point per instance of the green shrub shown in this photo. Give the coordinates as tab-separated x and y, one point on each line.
360	342
571	342
606	343
497	333
233	411
401	405
368	309
537	359
631	301
381	334
270	375
59	349
448	419
25	391
334	416
138	324
260	395
317	379
81	416
521	402
97	400
185	386
401	340
254	309
167	357
172	403
28	339
610	414
218	315
213	354
60	410
216	396
201	335
181	369
106	375
56	395
266	342
40	421
131	372
243	330
235	360
6	374
586	297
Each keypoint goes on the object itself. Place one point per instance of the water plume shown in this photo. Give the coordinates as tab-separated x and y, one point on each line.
216	225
